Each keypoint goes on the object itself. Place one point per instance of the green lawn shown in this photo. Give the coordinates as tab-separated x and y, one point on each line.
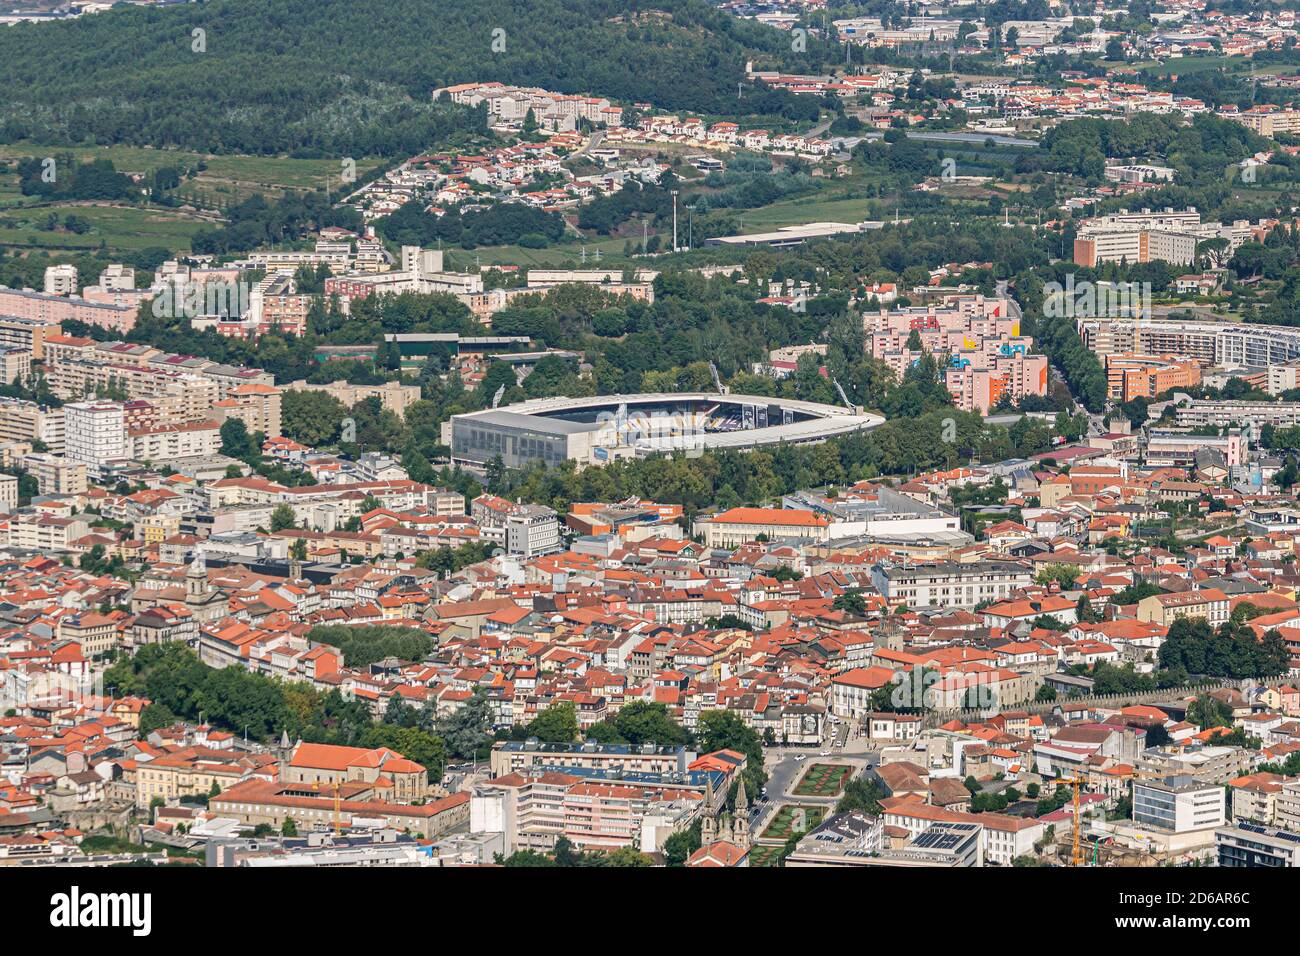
764	855
779	828
823	780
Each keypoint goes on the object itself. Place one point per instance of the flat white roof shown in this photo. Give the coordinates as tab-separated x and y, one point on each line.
828	420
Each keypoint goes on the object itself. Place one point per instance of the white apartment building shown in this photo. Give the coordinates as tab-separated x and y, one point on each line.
56	475
949	583
1097	245
117	278
8	493
1007	837
1178	804
61	280
95	434
532	530
1221	413
1287	806
22	421
168	442
851	691
1144	236
15	365
42	532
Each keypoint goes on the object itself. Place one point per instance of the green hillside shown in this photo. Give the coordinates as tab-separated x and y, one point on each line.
352	77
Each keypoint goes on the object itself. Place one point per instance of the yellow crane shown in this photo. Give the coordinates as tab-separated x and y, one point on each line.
1076	855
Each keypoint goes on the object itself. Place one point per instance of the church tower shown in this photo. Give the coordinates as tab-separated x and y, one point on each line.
708	822
197	588
740	820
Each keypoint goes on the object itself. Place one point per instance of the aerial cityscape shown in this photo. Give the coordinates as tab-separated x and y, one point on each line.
656	434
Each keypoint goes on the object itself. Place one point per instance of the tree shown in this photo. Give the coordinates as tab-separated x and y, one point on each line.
155	716
1157	736
1207	712
283	517
468	728
1231	650
1064	574
298	550
851	602
313	418
678	848
399	713
638	723
235	439
557	724
289	828
363	645
725	730
1136	592
861	795
625	856
412	743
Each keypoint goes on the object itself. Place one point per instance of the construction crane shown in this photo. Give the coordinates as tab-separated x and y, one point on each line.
1076	855
338	816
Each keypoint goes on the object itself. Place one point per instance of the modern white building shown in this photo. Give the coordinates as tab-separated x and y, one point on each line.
532	530
1231	344
1221	413
1249	844
8	493
949	583
95	434
61	280
1178	804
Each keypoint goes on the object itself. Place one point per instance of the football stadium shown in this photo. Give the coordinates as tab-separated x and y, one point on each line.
601	428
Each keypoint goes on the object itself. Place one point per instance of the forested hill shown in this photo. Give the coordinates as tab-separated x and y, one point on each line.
352	77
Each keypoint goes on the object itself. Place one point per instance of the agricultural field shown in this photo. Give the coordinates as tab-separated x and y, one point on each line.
119	228
563	255
239	175
218	182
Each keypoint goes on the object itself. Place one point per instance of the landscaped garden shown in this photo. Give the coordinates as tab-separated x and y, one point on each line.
824	780
781	826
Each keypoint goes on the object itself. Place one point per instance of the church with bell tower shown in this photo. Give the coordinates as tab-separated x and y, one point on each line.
205	602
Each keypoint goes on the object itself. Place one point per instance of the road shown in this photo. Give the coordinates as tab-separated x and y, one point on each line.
820	128
597	138
784	768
